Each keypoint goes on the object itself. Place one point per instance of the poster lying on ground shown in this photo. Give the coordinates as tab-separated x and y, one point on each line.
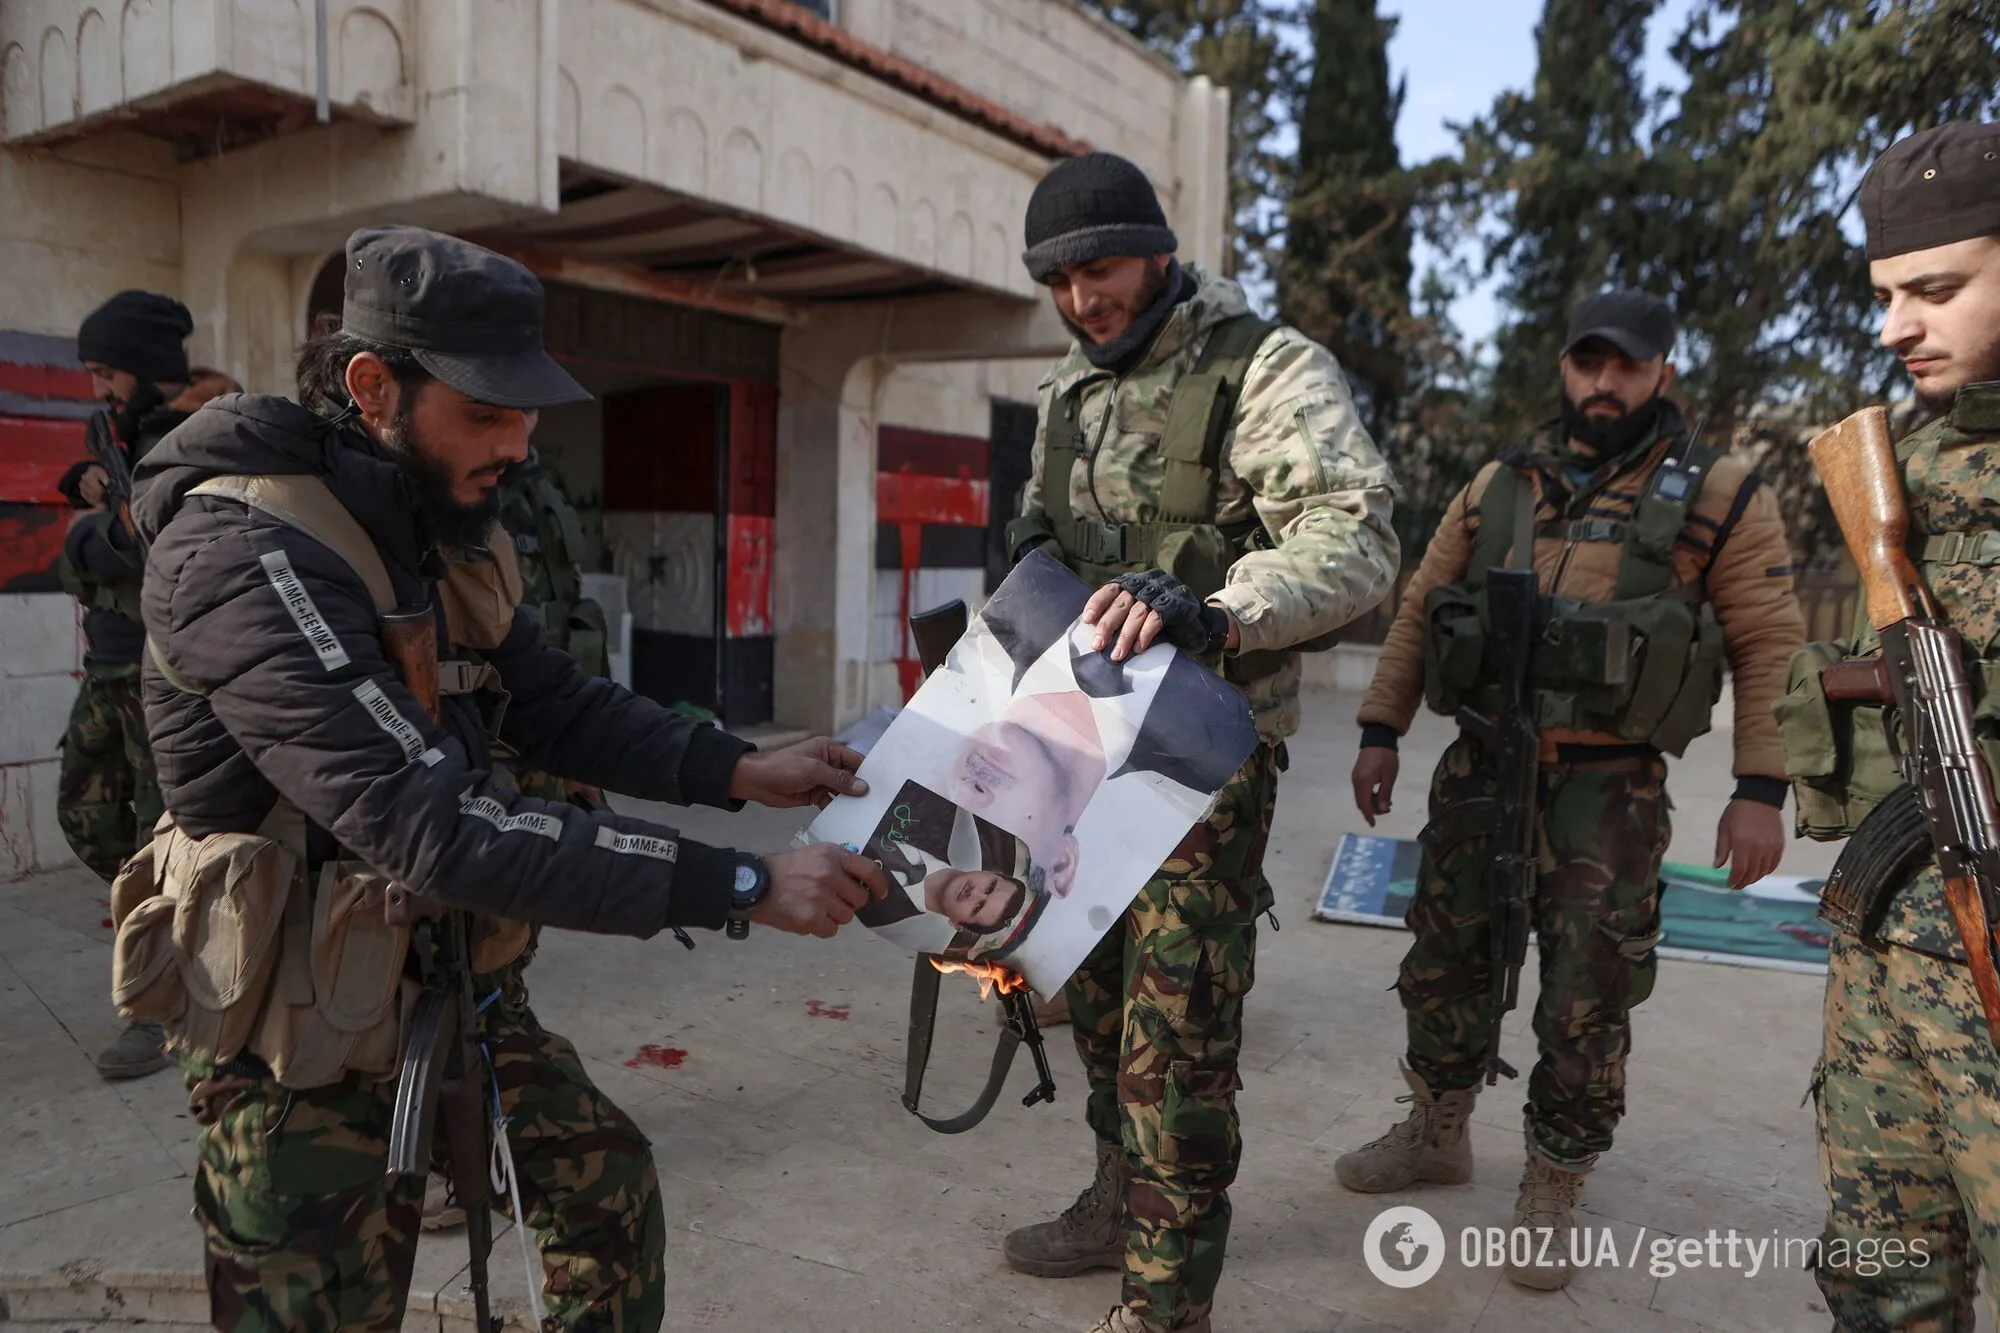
1032	786
1773	923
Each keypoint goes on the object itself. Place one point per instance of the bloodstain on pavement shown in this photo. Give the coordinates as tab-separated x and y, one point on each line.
814	1009
658	1057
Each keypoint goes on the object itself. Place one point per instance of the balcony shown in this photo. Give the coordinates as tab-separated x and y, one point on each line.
209	75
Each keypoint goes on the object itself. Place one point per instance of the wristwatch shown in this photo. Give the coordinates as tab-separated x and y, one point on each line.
753	881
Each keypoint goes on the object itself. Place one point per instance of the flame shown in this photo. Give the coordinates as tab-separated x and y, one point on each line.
990	976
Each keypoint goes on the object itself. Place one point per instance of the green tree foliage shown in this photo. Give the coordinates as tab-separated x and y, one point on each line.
1236	44
1555	181
1752	229
1344	278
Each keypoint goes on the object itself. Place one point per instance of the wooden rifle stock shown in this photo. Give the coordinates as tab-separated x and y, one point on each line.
1857	465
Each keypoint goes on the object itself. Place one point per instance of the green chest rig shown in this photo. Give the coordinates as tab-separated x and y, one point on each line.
548	538
1645	666
1184	539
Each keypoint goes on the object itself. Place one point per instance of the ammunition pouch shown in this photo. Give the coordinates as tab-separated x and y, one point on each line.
1647	670
219	939
1890	844
1838	752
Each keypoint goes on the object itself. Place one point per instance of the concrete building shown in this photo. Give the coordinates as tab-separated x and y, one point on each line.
781	243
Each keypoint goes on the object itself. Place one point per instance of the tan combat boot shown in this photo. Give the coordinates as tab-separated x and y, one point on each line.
1089	1234
1430	1146
1546	1210
1122	1320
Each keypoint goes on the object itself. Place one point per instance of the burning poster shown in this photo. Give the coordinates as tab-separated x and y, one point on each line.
1032	785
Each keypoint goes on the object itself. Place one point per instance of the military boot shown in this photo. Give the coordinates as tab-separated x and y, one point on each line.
1122	1320
1546	1209
141	1049
1431	1146
1089	1234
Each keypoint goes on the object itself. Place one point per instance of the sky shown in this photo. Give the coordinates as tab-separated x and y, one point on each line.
1458	55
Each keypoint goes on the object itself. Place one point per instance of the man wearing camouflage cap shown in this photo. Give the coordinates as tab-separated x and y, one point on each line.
1206	469
1906	1083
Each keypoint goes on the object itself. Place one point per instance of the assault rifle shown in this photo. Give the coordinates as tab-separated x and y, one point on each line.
1925	685
443	1075
117	464
1513	742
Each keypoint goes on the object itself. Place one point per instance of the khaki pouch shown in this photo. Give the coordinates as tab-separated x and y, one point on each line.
480	592
336	1006
199	952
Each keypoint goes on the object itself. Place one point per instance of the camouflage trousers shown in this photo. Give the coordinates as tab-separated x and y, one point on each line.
1909	1141
1158	1012
1603	831
107	799
305	1231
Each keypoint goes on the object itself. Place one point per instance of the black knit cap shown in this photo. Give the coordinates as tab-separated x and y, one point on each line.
1090	207
1937	187
140	333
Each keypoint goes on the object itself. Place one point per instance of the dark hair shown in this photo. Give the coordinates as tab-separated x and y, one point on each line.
322	369
1014	902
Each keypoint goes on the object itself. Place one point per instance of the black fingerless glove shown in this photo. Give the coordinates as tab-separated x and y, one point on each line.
1189	624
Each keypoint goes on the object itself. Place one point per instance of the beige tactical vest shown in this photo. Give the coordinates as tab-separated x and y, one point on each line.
222	940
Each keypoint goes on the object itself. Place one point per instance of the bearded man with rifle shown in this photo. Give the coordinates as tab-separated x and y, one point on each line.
360	881
107	798
1573	611
1890	738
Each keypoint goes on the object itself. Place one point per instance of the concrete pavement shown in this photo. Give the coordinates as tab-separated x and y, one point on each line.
800	1194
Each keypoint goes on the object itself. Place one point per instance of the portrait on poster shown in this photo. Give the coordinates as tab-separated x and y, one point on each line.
1032	785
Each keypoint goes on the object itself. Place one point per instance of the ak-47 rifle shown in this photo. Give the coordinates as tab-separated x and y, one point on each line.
934	632
111	456
1925	684
444	1072
1513	743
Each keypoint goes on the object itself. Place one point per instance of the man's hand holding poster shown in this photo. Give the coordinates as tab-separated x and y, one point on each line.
1033	786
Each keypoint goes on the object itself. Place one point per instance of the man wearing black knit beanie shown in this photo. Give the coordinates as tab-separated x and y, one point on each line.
107	798
1206	469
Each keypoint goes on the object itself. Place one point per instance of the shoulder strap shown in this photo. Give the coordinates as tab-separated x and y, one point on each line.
1059	439
1200	414
1646	567
304	502
1506	524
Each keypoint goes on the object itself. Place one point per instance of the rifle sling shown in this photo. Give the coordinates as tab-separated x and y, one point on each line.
923	1020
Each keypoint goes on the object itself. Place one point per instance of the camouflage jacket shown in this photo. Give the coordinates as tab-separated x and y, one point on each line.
1951	473
1296	457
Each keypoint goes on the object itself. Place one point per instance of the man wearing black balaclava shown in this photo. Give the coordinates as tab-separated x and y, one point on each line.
1658	557
107	799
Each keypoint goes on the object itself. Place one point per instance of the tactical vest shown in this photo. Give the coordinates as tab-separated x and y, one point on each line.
1184	540
1645	666
1837	752
548	539
226	941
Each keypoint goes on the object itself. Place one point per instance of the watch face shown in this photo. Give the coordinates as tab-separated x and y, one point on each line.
746	881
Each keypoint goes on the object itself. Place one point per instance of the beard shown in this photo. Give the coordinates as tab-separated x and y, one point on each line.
441	517
1607	437
1149	294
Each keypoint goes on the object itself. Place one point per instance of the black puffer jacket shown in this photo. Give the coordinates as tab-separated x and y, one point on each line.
231	595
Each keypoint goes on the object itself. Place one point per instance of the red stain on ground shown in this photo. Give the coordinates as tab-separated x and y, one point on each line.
815	1009
657	1057
107	923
